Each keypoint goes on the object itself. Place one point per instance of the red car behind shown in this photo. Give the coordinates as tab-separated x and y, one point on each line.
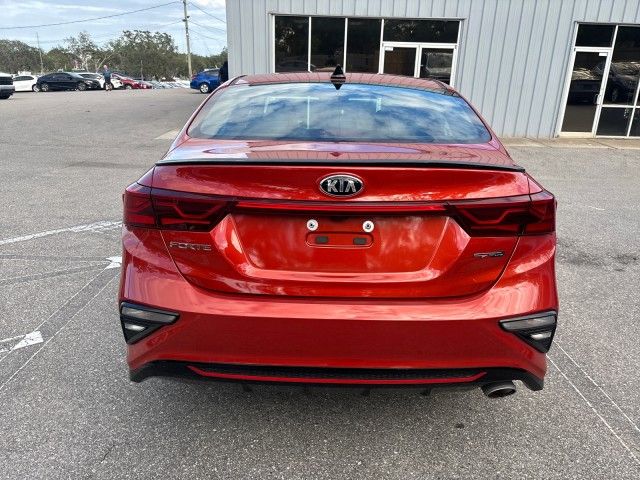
363	230
130	83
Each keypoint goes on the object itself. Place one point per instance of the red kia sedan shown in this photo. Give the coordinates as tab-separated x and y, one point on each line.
318	228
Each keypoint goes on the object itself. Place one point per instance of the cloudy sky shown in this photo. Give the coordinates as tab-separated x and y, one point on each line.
206	23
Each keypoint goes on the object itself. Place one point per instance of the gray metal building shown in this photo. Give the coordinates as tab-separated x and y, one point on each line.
537	68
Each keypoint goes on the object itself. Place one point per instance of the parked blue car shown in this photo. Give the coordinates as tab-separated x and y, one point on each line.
207	80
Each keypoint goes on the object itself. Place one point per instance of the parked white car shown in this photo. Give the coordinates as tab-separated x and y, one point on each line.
96	76
25	83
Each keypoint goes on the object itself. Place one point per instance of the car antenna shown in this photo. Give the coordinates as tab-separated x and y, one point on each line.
338	78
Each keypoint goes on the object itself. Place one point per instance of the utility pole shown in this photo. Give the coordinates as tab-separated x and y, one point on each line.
186	31
40	52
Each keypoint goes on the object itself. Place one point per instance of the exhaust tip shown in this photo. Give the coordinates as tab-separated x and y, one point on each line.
499	390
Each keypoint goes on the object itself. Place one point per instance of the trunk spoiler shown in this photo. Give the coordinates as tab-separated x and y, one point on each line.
345	163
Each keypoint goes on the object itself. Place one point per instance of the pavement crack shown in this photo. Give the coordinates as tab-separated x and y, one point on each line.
106	454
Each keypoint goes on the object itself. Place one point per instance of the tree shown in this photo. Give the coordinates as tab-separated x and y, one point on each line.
58	58
83	49
16	56
145	53
134	52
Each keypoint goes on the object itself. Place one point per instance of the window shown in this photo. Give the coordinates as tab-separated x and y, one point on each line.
614	121
356	112
291	44
427	31
602	65
327	43
363	45
594	35
625	67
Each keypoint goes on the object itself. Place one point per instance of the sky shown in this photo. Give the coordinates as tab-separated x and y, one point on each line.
208	33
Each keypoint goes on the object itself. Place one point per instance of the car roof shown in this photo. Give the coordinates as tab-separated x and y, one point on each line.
361	78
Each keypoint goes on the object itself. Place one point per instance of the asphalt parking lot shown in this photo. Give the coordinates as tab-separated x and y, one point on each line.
68	409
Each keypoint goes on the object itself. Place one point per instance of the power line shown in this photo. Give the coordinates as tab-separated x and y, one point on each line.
221	40
154	26
209	28
91	19
207	13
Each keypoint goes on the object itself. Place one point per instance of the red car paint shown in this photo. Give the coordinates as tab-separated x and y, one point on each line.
130	82
255	288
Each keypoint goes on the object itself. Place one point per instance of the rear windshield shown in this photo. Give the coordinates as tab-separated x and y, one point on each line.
356	112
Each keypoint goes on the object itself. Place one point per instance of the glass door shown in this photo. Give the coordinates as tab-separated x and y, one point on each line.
619	113
400	60
437	63
586	90
420	60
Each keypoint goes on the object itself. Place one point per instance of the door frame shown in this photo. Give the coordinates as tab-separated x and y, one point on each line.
418	48
608	52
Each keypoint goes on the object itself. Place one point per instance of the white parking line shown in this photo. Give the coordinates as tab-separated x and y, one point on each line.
170	135
633	424
590	405
89	227
20	341
115	262
6	382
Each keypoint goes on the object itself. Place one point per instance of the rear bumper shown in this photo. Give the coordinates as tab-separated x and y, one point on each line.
7	90
336	341
345	377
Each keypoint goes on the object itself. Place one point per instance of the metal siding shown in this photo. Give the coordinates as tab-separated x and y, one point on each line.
512	59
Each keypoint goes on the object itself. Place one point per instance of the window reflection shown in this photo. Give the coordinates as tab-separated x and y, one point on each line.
436	63
291	44
327	43
357	112
635	125
586	80
625	67
436	31
614	121
594	35
363	45
400	60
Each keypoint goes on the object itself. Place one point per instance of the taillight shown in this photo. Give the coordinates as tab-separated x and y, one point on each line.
169	210
138	211
508	216
187	211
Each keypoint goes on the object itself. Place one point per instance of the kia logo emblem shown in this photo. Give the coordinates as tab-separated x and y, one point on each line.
341	185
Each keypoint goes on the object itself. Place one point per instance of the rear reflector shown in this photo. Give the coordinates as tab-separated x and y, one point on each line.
138	321
537	330
494	217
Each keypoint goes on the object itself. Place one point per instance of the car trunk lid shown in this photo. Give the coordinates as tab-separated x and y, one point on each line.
256	228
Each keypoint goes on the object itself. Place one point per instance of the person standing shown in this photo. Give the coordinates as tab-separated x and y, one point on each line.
224	72
107	78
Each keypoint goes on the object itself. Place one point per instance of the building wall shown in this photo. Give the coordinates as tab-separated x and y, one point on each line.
513	54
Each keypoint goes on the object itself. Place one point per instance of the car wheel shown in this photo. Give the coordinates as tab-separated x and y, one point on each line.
44	87
128	87
82	86
204	87
35	88
4	97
